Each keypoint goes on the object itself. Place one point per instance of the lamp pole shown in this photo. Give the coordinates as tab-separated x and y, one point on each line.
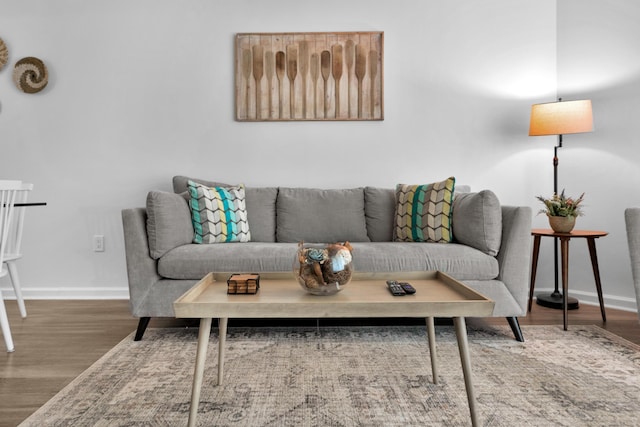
555	299
559	118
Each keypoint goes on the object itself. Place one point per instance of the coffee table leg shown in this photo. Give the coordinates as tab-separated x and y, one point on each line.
463	348
222	339
431	333
201	356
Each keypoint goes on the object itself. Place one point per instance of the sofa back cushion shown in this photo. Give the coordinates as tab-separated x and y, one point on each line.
379	210
181	183
261	212
477	221
319	216
260	202
168	222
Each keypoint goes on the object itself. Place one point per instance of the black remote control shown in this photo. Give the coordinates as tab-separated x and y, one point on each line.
395	288
407	288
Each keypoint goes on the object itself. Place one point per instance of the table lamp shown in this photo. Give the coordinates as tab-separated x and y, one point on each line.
559	118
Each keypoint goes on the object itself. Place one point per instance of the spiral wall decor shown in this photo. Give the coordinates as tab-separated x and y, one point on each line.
4	54
30	75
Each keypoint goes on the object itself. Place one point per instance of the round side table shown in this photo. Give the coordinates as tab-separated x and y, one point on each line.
564	238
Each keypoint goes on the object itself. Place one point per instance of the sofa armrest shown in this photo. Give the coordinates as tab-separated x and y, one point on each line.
632	223
514	257
142	270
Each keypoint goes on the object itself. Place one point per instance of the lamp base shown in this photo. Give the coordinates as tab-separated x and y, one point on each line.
555	301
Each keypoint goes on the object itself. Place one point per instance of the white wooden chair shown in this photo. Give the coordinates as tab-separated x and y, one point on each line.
13	251
8	192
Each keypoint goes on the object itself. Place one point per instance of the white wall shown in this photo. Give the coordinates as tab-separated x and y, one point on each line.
598	45
143	90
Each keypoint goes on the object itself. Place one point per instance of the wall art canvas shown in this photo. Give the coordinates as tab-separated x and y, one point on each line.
309	76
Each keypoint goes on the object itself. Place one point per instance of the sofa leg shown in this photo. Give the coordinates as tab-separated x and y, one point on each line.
515	327
142	326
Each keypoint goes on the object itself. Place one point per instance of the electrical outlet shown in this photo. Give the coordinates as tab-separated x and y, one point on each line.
98	243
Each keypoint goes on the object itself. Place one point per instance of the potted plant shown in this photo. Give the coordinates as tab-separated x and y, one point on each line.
562	211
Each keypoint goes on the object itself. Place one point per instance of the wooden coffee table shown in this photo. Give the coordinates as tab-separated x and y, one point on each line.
280	296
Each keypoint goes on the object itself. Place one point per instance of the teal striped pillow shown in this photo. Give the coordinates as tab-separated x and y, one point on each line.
219	214
424	212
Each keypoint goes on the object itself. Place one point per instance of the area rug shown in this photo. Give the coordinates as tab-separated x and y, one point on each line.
359	376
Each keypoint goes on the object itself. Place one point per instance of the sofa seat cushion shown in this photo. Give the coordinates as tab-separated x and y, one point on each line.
460	261
195	261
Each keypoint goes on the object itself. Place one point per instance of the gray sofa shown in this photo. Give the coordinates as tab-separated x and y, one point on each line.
490	252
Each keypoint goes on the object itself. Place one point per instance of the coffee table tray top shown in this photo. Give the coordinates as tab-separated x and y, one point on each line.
280	296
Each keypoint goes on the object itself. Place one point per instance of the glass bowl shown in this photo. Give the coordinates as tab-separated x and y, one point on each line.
323	269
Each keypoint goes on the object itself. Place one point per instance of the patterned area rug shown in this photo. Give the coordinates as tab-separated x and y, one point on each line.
359	376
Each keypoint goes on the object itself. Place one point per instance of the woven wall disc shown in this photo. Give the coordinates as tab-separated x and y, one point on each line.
30	75
4	54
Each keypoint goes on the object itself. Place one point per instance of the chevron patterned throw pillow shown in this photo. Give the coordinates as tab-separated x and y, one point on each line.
219	214
423	212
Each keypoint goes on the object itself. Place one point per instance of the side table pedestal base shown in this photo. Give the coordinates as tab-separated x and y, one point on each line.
555	301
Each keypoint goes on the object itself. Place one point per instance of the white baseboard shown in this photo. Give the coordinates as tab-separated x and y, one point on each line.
69	293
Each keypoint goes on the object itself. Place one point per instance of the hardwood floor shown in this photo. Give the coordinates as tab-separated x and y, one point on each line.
60	339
